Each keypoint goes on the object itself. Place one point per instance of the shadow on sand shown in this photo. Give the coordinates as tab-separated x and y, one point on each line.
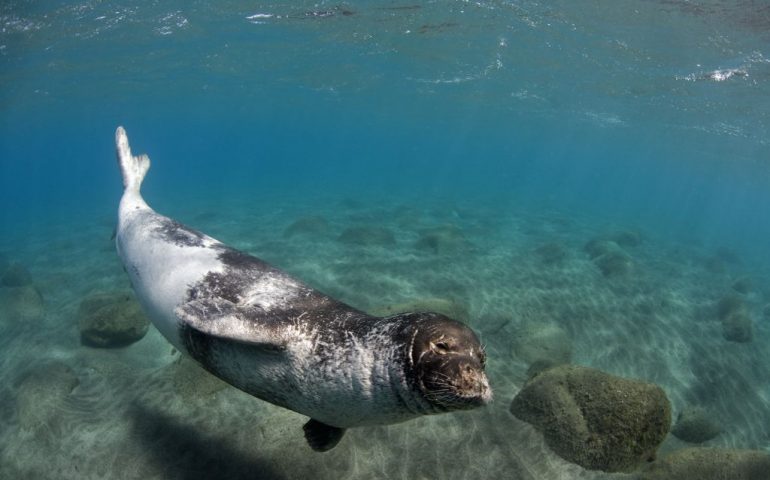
183	453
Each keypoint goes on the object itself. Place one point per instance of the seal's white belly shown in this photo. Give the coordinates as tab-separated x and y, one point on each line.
161	272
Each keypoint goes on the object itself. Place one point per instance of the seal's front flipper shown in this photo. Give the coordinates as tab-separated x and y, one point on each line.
322	437
222	319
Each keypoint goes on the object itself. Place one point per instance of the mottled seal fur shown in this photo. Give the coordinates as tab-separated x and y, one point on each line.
274	337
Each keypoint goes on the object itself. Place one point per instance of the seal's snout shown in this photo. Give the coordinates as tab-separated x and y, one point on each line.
473	384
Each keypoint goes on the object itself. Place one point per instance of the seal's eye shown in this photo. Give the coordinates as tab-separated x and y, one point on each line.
439	347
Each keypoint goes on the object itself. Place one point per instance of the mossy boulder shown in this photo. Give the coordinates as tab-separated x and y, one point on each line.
366	236
450	308
601	244
540	365
737	325
312	225
594	419
15	275
711	464
597	247
20	305
626	238
695	425
112	319
609	257
614	263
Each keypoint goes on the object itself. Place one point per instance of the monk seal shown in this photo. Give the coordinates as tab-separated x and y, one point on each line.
272	336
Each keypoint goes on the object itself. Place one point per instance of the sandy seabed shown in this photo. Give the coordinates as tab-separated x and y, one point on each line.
142	411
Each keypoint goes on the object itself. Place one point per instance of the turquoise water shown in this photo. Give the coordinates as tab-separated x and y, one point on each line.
515	123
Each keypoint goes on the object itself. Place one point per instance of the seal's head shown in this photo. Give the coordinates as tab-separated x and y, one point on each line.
446	361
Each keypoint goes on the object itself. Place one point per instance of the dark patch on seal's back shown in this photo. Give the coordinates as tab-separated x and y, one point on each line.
238	260
179	234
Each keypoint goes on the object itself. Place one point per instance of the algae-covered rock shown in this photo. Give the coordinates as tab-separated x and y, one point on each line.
626	238
311	225
695	425
614	263
609	257
20	305
450	308
733	312
542	341
368	236
597	247
15	275
596	420
540	365
111	320
711	464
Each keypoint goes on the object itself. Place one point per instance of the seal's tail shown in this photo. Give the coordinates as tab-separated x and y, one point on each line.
133	168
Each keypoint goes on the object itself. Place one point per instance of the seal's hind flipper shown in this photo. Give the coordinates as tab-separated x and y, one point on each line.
133	168
226	321
322	437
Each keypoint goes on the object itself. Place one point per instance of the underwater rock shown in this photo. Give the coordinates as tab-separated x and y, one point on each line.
596	420
596	247
20	304
542	341
551	253
710	464
450	308
312	225
111	320
615	262
540	365
40	391
626	238
695	425
442	239
743	285
737	325
15	275
599	246
368	236
612	242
